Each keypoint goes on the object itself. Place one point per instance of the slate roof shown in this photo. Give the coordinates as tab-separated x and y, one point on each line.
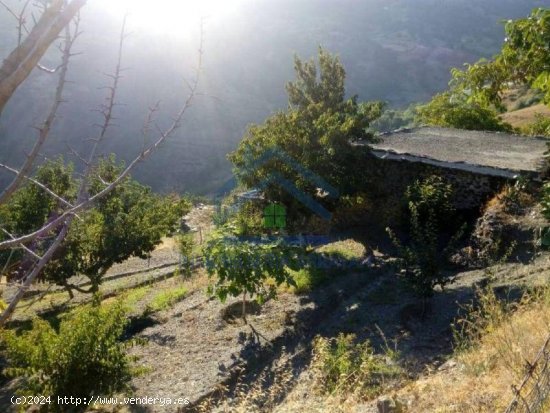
494	153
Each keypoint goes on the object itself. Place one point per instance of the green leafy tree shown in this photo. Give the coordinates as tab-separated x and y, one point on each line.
315	131
244	267
392	119
130	221
451	111
33	206
30	207
524	59
83	358
430	209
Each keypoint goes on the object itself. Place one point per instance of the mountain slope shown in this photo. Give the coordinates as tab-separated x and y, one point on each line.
399	51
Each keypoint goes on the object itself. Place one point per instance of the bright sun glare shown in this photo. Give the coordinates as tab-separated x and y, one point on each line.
174	16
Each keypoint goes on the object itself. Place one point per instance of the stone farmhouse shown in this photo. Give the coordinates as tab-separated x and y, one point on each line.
478	164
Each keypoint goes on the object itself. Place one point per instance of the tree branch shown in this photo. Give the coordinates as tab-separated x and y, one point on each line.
29	279
23	246
38	184
44	130
65	219
24	58
20	17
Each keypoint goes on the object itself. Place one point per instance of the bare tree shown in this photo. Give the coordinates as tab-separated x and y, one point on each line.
25	57
44	129
16	68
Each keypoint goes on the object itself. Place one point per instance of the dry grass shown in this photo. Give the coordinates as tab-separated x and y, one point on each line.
501	339
348	249
343	375
496	341
524	117
261	396
167	243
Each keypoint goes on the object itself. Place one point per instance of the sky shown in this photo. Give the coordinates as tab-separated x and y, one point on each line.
174	17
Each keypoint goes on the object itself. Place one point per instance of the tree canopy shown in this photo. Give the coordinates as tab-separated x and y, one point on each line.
450	111
524	59
474	98
130	221
315	131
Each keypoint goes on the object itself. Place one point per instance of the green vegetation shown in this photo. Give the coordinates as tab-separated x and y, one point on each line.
540	127
130	221
343	366
84	357
308	278
315	131
244	267
451	111
31	206
392	119
135	295
524	58
372	38
166	299
430	210
186	247
248	219
476	93
313	273
347	249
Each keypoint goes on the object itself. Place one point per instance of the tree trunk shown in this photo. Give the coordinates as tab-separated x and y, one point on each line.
244	307
24	58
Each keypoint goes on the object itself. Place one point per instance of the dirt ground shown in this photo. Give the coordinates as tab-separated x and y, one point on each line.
192	350
200	350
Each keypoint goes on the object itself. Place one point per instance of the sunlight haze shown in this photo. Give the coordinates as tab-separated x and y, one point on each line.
169	16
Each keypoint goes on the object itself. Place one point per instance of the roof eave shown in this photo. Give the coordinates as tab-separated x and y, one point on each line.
463	166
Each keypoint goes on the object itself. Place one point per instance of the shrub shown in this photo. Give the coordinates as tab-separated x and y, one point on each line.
222	215
450	111
249	220
186	244
392	119
244	267
84	357
498	333
540	127
343	366
308	278
430	209
348	249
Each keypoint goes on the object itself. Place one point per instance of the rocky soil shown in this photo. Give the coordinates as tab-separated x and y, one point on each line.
193	349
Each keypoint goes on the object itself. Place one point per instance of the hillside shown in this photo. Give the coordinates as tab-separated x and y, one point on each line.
523	117
361	256
199	348
247	60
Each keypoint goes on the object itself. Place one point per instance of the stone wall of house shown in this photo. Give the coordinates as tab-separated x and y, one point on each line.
471	190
